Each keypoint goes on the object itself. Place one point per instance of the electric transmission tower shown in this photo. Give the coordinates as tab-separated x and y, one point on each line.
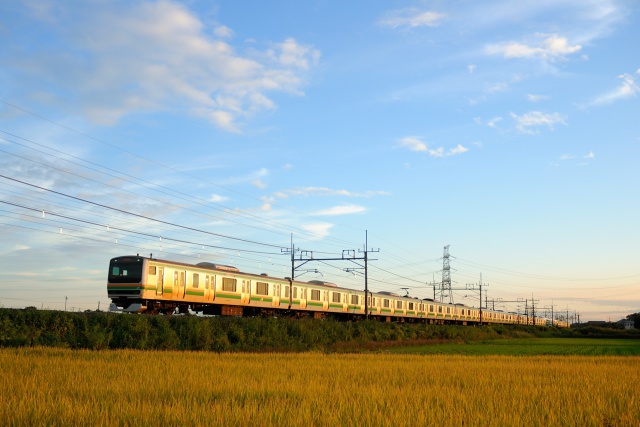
445	285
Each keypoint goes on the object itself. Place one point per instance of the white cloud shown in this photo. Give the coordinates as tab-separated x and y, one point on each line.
591	155
438	152
341	210
223	31
536	98
259	184
287	166
119	59
567	157
325	191
292	54
493	123
552	48
457	150
471	68
527	122
266	206
628	89
413	143
216	198
319	229
412	18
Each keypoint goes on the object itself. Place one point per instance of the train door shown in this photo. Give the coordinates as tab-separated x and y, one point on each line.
207	291
160	283
276	295
245	297
303	297
175	290
181	285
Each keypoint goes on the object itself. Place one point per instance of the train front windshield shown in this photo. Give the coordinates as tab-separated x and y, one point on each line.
125	270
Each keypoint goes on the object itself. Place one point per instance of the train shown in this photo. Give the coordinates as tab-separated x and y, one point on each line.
138	284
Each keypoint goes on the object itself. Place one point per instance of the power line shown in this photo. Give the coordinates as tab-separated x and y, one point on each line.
141	216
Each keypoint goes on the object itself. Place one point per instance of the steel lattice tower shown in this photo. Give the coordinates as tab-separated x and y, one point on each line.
445	286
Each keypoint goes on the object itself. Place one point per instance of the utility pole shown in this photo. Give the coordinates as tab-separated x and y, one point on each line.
307	256
366	275
65	303
501	301
472	287
550	307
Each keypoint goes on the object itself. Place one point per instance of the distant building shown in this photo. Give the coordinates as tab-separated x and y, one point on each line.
626	323
596	323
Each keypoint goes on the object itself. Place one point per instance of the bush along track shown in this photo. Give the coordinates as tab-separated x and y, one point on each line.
100	330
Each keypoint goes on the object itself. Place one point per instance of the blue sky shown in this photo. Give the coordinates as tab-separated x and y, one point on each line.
507	131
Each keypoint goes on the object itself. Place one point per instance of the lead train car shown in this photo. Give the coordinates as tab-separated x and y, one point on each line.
141	284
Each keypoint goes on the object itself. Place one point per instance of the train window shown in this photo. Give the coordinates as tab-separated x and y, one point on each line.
295	292
315	295
385	303
206	282
439	309
286	292
372	302
399	304
262	288
431	308
228	284
354	299
448	310
196	280
335	297
410	306
152	270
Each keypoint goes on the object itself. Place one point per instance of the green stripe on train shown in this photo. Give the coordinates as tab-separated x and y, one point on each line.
229	296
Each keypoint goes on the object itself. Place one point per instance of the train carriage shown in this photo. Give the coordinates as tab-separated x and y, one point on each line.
145	284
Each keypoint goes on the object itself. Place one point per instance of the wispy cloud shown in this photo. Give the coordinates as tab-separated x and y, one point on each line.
319	229
216	198
536	98
581	160
325	191
258	183
416	143
551	48
121	59
341	210
413	143
492	123
527	123
411	18
627	89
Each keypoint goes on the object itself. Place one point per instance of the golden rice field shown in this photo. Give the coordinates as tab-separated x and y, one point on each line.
50	387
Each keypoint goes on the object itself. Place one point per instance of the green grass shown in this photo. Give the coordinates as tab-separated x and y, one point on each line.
531	347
